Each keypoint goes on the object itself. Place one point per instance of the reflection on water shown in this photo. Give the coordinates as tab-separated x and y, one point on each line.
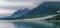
57	24
37	24
41	24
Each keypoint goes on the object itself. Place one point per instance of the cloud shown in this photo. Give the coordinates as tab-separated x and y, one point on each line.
9	7
21	3
6	12
52	0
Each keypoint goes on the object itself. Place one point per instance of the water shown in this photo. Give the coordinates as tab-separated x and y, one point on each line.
30	23
41	24
36	24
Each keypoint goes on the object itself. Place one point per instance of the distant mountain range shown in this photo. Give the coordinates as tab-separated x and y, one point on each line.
20	12
46	8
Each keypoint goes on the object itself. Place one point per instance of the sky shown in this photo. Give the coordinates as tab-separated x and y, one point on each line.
20	3
8	7
52	0
23	3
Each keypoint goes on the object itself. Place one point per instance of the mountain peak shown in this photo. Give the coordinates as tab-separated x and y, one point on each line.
21	12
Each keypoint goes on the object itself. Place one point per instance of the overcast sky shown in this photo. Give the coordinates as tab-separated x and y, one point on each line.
6	6
17	4
24	3
52	0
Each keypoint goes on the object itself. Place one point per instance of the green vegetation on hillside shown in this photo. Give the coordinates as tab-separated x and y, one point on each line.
55	18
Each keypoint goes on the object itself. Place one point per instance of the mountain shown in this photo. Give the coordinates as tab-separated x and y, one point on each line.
55	18
20	12
46	8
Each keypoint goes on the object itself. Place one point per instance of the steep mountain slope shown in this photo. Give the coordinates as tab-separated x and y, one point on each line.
46	8
20	12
